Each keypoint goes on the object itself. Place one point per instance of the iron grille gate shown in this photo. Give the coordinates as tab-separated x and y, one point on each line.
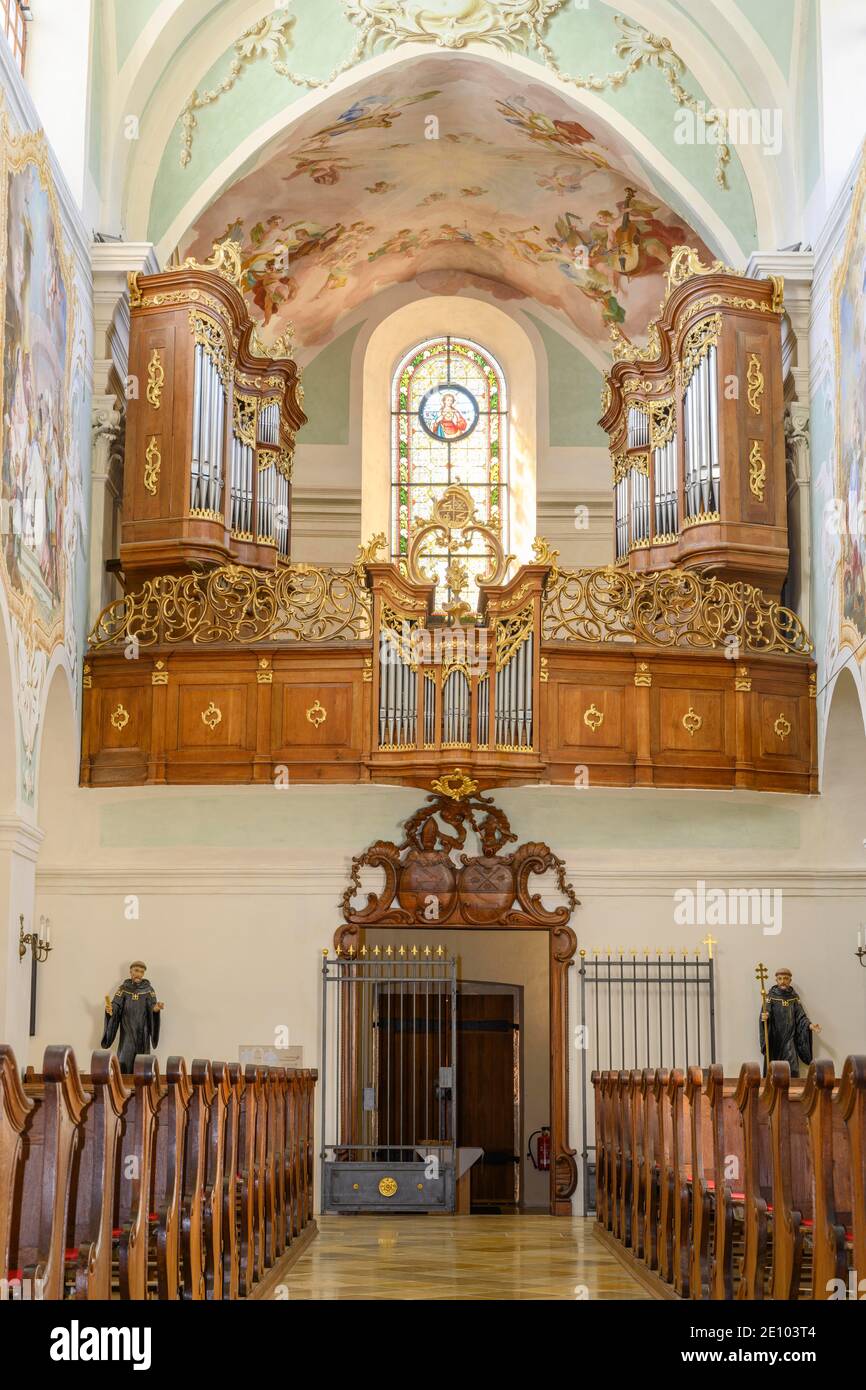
389	1092
636	1014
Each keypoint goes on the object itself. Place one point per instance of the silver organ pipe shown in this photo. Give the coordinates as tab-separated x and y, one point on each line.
383	686
195	463
638	428
704	425
715	472
269	424
207	432
528	663
429	709
621	502
266	501
483	719
281	525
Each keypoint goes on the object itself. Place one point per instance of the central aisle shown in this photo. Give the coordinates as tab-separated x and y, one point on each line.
458	1257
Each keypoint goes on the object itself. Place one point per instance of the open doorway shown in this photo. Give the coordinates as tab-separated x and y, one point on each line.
503	1057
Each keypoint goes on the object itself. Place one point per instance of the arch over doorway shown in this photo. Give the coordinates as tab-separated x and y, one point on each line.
489	891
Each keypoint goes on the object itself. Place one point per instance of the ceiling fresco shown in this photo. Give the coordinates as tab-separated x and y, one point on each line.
446	178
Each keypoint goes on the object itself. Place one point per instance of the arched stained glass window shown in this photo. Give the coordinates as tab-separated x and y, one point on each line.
449	425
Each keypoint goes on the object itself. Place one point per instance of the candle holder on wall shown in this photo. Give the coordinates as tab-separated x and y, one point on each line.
40	946
860	953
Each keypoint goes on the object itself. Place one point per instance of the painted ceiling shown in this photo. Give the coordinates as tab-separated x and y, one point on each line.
447	174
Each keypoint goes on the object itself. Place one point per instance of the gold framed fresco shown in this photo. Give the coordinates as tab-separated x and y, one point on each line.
849	336
37	343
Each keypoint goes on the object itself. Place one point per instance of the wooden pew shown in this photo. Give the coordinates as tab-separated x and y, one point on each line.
137	1178
232	1181
665	1225
851	1101
277	1140
51	1144
704	1181
311	1077
636	1104
729	1167
15	1116
250	1269
792	1201
214	1193
680	1164
626	1124
753	1281
610	1150
195	1182
830	1162
94	1204
170	1158
650	1169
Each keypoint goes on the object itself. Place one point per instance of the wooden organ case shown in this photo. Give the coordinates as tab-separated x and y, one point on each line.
695	426
210	439
674	666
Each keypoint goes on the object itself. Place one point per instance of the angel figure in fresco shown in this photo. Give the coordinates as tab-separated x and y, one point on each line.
449	422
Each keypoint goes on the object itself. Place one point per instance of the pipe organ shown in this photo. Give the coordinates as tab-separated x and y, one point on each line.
696	435
251	667
210	437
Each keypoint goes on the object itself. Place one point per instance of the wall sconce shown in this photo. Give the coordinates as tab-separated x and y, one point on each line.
40	945
860	953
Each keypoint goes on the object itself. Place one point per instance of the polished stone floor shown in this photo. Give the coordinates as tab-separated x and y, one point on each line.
458	1257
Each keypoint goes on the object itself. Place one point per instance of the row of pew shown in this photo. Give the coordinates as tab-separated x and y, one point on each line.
743	1187
189	1185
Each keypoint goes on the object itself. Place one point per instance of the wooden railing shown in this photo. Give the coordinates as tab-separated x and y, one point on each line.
193	1185
723	1187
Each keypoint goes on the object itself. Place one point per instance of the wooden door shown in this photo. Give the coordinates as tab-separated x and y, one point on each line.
488	1053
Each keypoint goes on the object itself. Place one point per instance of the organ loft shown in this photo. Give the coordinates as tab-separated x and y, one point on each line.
432	674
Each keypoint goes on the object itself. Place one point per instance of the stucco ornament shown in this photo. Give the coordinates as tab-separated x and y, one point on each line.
509	24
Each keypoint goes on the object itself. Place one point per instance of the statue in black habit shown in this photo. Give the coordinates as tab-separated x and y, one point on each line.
788	1026
135	1011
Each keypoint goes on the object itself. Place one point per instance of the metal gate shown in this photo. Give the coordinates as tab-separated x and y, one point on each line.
389	1092
638	1013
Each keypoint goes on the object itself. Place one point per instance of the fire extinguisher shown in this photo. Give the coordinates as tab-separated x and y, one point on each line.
542	1162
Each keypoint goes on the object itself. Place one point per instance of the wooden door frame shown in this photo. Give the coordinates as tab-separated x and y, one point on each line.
516	993
561	950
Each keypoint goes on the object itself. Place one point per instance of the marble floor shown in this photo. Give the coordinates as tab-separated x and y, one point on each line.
458	1257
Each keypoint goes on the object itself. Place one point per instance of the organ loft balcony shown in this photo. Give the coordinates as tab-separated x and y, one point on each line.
674	666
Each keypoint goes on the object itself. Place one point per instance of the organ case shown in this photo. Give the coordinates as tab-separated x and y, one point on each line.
211	431
696	430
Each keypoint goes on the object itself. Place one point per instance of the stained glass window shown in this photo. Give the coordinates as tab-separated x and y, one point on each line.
449	424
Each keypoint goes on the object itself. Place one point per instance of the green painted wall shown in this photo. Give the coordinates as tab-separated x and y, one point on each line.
809	113
327	390
130	17
313	818
773	20
574	391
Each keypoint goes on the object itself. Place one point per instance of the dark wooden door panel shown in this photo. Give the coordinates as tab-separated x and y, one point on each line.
487	1060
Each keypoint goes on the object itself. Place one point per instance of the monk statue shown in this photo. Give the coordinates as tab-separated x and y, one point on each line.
788	1026
135	1011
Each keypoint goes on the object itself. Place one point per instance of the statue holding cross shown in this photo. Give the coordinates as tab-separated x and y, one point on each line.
785	1029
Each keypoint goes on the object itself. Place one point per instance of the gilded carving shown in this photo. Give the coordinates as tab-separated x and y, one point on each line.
235	603
120	718
697	344
593	718
755	383
155	378
782	727
668	608
692	721
152	465
317	714
757	470
211	716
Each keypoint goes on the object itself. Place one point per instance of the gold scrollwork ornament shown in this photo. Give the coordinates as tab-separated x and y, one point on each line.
757	470
211	716
152	465
455	785
593	718
755	382
388	1187
120	718
317	714
155	378
692	721
782	727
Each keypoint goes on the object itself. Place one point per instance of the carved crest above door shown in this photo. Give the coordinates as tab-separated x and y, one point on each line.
429	878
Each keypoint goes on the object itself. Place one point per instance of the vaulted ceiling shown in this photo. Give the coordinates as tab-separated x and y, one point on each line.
447	173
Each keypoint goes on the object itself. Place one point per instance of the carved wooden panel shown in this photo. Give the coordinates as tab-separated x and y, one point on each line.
315	715
590	715
690	720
